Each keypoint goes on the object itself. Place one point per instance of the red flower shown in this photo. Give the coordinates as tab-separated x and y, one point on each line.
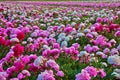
21	35
18	50
113	26
98	27
2	41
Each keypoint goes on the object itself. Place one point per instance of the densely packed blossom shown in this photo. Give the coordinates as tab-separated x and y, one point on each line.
59	40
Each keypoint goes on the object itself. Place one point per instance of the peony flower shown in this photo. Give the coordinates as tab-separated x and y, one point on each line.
106	50
39	61
56	45
14	40
115	60
76	45
83	53
91	70
60	74
101	73
18	50
117	34
51	63
88	48
2	41
46	75
21	35
64	44
84	75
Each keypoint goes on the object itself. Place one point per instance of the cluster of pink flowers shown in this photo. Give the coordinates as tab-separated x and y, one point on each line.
89	72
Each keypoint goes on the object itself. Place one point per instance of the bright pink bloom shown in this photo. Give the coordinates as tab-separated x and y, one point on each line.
21	35
91	70
18	50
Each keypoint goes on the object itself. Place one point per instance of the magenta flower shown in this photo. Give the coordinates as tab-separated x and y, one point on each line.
101	73
91	70
46	75
51	63
60	73
84	75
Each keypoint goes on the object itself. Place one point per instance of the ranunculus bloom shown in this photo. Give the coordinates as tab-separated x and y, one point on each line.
21	35
18	50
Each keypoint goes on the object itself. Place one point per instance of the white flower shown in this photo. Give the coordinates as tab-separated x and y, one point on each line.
73	24
59	40
86	30
94	33
39	61
67	38
29	39
80	34
99	53
61	34
14	40
82	25
24	42
46	47
104	64
115	59
64	44
116	73
83	53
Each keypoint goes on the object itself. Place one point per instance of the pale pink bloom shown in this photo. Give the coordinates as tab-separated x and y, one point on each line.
84	75
60	73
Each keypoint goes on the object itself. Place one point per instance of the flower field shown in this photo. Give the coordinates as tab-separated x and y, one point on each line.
59	40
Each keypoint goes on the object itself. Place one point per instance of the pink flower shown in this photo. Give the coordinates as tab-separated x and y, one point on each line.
56	45
106	50
60	73
95	48
84	75
19	65
26	73
51	63
101	73
76	45
88	35
117	34
112	41
46	75
91	70
55	53
88	48
98	27
18	50
25	59
68	29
